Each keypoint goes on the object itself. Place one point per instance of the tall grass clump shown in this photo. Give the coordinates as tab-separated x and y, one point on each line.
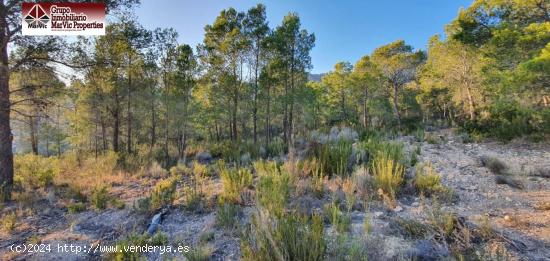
234	181
388	174
379	148
291	237
340	220
227	215
273	188
276	147
334	157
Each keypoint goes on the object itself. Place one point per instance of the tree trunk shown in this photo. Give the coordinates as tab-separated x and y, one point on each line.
365	108
6	138
396	104
471	104
234	115
545	100
32	136
255	109
153	122
129	104
116	128
267	120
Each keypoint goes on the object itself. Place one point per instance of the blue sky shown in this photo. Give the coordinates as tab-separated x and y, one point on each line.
345	30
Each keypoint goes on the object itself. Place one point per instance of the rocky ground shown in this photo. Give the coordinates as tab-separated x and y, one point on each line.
520	218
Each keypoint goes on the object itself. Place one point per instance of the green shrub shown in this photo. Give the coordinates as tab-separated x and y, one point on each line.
419	134
379	148
76	207
413	228
8	222
163	193
273	188
340	220
33	171
334	157
133	239
100	197
142	205
193	200
159	239
290	237
206	237
179	170
388	174
276	147
198	253
227	215
432	139
509	120
118	204
234	181
427	181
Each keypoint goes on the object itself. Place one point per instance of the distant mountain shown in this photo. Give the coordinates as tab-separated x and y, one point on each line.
316	77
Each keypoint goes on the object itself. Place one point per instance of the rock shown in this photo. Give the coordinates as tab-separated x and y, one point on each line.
415	204
152	228
398	209
333	135
204	157
378	213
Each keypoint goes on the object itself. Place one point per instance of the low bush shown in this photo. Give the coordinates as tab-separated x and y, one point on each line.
234	181
159	239
379	148
8	222
193	200
133	239
412	228
334	157
276	147
179	170
339	220
142	205
76	207
427	181
273	189
290	237
199	253
155	170
100	197
33	171
227	215
163	193
388	175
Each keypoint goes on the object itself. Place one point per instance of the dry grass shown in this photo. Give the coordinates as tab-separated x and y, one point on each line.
89	173
388	175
